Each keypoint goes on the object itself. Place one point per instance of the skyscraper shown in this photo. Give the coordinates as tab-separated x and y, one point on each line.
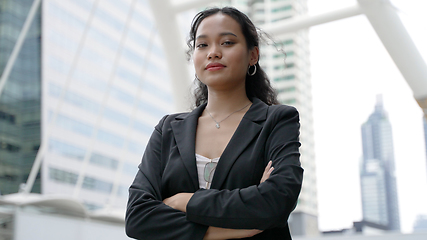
93	85
20	100
286	60
377	173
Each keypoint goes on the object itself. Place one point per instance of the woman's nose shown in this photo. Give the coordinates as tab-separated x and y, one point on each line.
214	53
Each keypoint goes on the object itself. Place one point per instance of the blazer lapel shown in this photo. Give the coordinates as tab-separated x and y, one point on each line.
248	128
184	129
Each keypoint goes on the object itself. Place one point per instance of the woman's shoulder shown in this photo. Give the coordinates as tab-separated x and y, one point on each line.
168	118
282	110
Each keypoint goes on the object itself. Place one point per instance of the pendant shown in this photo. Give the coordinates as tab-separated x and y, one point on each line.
217	125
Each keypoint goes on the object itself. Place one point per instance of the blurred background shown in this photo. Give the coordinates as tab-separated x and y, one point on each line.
84	82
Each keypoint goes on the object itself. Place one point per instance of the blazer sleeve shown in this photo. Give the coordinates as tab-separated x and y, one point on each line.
147	217
268	204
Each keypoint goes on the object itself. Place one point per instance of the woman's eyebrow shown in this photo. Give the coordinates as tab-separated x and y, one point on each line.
221	34
228	33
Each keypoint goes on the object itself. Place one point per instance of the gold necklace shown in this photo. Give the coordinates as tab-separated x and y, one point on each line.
218	123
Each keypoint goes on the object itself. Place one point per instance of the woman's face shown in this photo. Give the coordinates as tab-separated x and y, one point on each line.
221	56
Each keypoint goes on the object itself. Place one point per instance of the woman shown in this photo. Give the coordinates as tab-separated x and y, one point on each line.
207	174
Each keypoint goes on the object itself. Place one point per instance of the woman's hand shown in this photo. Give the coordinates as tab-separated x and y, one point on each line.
178	201
267	172
215	233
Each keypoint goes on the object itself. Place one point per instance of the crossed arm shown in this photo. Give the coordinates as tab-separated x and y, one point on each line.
179	201
183	216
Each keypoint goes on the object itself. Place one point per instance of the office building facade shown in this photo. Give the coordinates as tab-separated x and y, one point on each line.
377	173
420	224
20	100
103	87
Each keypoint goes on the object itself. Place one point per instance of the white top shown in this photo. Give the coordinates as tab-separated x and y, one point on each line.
201	162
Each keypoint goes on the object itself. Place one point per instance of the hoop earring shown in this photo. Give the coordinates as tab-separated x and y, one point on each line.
253	73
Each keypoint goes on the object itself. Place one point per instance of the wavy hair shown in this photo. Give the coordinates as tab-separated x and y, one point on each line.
257	85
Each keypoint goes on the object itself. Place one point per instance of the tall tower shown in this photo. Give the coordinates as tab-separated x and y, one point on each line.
285	58
20	99
377	173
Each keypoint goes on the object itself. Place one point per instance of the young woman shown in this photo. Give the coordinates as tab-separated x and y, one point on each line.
209	174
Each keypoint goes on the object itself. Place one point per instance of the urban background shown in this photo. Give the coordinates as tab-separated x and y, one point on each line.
83	83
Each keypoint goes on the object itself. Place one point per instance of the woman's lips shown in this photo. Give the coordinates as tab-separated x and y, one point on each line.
214	66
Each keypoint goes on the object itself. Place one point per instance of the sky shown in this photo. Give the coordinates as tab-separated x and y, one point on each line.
349	67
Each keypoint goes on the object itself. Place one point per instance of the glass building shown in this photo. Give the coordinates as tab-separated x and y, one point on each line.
89	86
377	173
420	224
105	87
20	100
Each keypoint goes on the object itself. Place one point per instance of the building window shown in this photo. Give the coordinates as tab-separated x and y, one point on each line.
74	99
288	42
279	55
116	116
283	66
290	65
282	9
97	185
9	147
66	150
74	126
62	176
142	127
130	169
281	18
289	101
7	117
123	191
285	90
104	161
283	55
110	138
279	67
285	78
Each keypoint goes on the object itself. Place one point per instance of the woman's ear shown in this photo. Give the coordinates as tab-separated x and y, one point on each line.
253	56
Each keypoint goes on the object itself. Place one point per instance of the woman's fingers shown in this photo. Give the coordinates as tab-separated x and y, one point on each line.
267	171
178	201
215	233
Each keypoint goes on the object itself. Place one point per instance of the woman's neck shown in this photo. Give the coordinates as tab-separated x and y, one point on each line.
224	102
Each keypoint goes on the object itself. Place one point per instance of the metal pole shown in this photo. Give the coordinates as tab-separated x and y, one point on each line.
168	29
192	4
299	23
389	28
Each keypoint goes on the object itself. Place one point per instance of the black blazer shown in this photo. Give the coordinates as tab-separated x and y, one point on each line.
236	198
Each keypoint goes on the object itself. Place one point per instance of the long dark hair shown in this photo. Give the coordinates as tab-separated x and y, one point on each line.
257	85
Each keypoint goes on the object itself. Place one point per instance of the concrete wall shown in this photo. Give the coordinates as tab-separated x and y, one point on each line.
386	236
42	226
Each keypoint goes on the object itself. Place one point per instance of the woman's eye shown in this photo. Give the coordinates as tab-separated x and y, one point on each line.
228	43
200	45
